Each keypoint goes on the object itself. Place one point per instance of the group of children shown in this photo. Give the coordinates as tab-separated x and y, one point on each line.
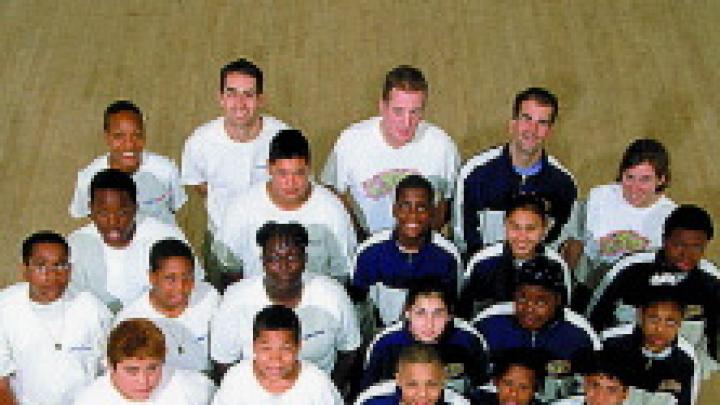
287	307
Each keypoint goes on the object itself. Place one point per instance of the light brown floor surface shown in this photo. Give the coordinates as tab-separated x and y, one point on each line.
622	70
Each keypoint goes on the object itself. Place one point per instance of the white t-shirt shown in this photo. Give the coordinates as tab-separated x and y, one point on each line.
50	351
90	269
240	386
187	336
363	163
332	239
157	181
228	167
177	387
616	228
327	321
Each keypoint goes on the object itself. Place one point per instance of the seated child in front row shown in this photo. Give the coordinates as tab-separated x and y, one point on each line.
419	380
137	372
517	375
663	360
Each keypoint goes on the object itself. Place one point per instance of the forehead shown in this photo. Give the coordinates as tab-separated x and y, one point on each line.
535	109
519	371
295	163
604	380
413	193
412	370
106	196
431	300
240	81
48	249
405	98
124	118
284	336
282	243
694	235
175	263
644	167
535	290
667	307
134	362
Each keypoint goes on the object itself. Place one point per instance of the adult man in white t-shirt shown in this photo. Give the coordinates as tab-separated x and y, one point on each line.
112	253
372	156
51	338
178	304
157	177
224	157
289	196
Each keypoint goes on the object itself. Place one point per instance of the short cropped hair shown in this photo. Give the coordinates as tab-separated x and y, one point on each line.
608	362
120	106
529	202
277	317
113	179
647	150
529	358
404	77
430	286
289	144
419	354
293	232
166	248
42	237
245	67
135	338
690	218
541	96
415	181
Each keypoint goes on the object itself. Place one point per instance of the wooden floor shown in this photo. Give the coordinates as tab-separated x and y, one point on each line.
622	69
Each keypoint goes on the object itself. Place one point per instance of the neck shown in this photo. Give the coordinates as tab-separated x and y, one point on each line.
289	298
411	245
244	133
169	311
522	159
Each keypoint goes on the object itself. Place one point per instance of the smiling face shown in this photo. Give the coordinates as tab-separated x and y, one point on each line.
420	383
172	283
113	213
660	324
401	114
603	390
275	354
136	379
284	263
241	101
530	129
413	213
47	272
125	138
535	306
427	318
524	230
640	185
516	386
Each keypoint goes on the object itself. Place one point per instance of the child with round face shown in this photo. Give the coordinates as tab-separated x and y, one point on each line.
538	297
276	344
46	266
124	135
136	354
172	276
517	373
283	257
420	375
427	314
413	212
113	207
526	224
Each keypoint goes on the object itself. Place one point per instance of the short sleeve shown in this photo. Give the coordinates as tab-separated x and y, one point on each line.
333	173
79	206
349	338
192	172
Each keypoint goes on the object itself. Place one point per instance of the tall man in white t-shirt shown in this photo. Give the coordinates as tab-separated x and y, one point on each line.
372	156
290	196
224	157
51	337
157	177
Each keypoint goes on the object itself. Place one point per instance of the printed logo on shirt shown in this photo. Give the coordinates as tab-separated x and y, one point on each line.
558	367
620	243
311	335
667	279
694	312
80	348
454	370
156	200
672	386
384	183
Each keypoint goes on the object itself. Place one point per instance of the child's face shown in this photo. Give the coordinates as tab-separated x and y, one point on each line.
113	213
604	390
684	248
173	283
136	379
125	138
276	354
516	386
413	213
535	306
660	323
524	229
47	272
427	318
284	263
289	181
420	383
